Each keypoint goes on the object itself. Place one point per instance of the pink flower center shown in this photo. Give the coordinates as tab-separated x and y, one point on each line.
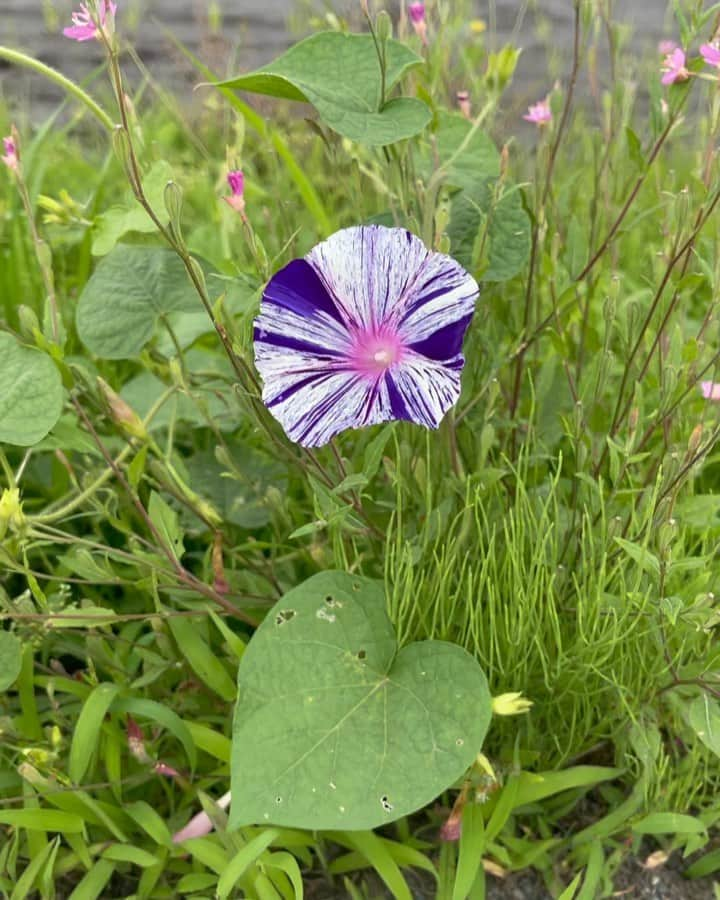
376	351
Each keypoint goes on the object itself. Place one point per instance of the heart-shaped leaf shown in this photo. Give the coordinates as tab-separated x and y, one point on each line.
490	228
469	154
337	728
130	216
130	290
31	394
340	75
10	659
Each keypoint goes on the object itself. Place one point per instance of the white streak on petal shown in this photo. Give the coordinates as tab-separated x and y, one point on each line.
427	388
442	293
368	270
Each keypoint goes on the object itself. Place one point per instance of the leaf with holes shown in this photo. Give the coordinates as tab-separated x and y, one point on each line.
130	291
31	393
339	75
335	726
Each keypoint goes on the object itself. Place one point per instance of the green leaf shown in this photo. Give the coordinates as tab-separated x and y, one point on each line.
93	884
470	852
669	823
704	718
131	289
31	393
42	820
536	787
469	154
375	851
29	877
156	712
339	74
119	220
335	727
490	229
128	854
165	519
200	657
242	860
10	659
87	729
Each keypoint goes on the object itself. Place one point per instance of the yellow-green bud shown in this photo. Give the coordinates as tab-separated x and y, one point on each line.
512	704
11	514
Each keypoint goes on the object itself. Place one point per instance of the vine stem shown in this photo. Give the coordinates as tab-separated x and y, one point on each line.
555	147
181	572
22	59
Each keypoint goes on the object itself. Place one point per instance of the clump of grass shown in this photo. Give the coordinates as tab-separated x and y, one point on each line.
562	526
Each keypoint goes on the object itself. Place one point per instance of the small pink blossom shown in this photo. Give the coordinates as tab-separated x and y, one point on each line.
710	390
463	100
711	54
201	824
236	181
416	12
666	47
11	154
674	67
162	768
539	113
88	25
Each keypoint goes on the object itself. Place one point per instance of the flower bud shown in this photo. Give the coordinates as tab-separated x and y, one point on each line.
11	514
512	704
121	412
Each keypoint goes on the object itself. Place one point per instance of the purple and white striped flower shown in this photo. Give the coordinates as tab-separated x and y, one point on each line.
367	328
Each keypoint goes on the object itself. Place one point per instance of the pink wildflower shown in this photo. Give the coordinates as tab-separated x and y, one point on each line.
162	768
416	12
11	158
666	47
711	54
88	25
539	113
200	824
236	180
463	99
710	390
674	67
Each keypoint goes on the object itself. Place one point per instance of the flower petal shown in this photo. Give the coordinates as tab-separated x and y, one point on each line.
297	313
423	390
442	295
368	269
313	404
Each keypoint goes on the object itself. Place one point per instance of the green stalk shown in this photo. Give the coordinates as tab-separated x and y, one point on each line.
22	59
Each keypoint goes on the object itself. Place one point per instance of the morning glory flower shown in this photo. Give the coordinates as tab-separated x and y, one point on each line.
367	328
711	54
86	26
674	67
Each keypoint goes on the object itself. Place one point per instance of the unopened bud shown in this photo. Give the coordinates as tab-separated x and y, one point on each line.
695	439
383	26
121	412
29	323
11	514
633	419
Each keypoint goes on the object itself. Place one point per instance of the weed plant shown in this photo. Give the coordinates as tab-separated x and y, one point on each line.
561	526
